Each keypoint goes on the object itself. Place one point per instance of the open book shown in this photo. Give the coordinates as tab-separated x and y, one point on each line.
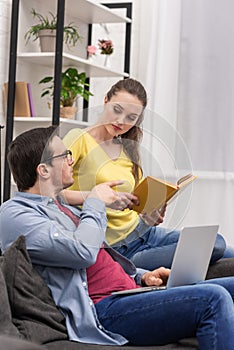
153	192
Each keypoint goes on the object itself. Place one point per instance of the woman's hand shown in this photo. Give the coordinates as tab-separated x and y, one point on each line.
156	217
156	277
124	200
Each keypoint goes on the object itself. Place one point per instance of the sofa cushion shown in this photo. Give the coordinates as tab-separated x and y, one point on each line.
186	344
6	326
9	343
222	268
33	310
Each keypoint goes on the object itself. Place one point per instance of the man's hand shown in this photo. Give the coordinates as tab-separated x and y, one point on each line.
156	277
156	217
111	198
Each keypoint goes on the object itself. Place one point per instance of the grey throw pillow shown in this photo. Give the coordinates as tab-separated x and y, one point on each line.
33	310
221	268
6	326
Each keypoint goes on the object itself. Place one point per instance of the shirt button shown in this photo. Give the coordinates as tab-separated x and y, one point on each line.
84	284
51	200
56	234
91	303
100	326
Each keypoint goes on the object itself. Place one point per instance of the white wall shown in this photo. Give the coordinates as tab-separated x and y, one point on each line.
177	76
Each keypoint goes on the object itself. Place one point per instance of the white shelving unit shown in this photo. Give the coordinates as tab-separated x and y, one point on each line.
30	57
47	59
22	124
31	65
90	12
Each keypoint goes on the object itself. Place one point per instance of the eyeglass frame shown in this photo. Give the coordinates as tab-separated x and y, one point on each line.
65	154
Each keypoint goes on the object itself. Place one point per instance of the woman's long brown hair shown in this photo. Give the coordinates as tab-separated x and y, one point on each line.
131	139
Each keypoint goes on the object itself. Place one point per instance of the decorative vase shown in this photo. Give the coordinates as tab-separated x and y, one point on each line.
90	58
107	61
68	112
47	39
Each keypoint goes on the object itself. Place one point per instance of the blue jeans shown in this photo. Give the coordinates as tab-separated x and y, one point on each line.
150	247
204	310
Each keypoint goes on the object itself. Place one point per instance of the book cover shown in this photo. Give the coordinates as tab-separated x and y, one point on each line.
153	192
32	109
22	105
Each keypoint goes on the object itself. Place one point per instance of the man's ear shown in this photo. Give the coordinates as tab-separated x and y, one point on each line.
105	99
42	170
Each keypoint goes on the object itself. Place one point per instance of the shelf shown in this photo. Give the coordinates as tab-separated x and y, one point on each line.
90	12
47	120
22	124
91	69
85	10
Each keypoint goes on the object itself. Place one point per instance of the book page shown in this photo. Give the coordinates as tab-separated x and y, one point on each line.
185	180
182	184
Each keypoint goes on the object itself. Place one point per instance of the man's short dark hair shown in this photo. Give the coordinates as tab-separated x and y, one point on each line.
25	153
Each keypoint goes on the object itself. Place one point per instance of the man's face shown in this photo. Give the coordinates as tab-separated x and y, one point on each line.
61	170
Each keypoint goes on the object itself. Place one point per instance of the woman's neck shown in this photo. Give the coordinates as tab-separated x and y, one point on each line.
100	134
105	141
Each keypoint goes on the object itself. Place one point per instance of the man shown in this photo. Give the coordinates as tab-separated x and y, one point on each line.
67	246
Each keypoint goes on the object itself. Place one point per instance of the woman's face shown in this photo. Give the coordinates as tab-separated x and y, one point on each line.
121	113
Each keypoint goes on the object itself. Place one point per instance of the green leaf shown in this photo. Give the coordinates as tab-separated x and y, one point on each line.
73	84
46	80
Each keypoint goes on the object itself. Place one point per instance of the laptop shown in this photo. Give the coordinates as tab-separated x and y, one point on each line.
191	259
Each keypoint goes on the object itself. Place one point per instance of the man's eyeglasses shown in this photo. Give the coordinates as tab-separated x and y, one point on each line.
67	154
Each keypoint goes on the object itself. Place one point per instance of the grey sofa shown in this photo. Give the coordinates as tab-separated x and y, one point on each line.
29	319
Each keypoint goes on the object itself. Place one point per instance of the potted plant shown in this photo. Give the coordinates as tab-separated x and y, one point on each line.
73	85
46	27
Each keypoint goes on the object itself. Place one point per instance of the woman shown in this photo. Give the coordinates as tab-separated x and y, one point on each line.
109	150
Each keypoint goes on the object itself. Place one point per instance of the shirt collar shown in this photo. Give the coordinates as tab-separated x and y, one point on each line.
35	197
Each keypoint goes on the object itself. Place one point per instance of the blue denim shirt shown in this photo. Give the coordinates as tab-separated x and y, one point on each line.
61	252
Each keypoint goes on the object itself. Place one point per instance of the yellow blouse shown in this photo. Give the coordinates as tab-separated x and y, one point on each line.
93	166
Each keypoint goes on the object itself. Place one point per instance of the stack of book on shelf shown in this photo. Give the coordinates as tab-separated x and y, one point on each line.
24	106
